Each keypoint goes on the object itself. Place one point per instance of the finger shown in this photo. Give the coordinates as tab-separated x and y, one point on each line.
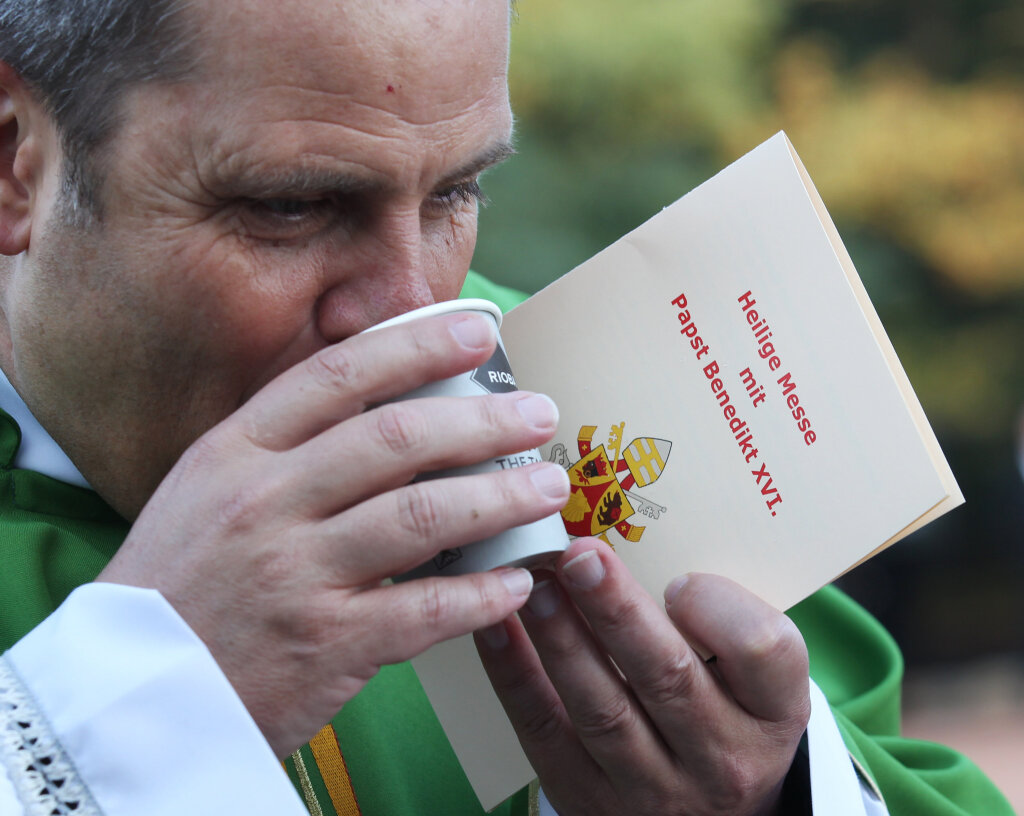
760	654
537	714
389	445
724	751
400	621
340	381
398	530
609	721
667	676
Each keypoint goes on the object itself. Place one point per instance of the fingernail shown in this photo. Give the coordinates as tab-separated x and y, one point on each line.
519	582
551	481
495	636
585	571
543	601
539	411
473	331
673	588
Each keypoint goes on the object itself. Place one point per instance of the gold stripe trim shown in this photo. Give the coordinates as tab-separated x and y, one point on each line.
535	797
306	785
866	779
329	759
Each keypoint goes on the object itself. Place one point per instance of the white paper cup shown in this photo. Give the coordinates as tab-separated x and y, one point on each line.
527	545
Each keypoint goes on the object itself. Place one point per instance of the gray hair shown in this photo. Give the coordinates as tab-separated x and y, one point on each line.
79	57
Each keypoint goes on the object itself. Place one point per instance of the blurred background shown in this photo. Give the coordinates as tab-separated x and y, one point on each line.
909	115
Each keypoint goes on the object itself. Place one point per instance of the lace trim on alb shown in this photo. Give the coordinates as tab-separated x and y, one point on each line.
42	774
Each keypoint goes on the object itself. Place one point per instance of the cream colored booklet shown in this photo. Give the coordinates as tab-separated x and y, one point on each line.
729	403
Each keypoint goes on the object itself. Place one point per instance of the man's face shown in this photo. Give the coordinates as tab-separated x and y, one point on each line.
317	177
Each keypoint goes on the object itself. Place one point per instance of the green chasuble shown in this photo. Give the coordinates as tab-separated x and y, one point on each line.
54	537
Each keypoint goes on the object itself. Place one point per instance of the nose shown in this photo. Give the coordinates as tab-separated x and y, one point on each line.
375	275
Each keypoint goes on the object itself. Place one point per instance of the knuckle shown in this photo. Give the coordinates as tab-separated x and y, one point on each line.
253	430
508	492
245	506
304	624
206	454
542	724
619	619
488	598
777	637
521	683
204	451
788	728
421	511
668	681
571	650
435	605
400	428
608	719
735	784
492	413
336	368
422	345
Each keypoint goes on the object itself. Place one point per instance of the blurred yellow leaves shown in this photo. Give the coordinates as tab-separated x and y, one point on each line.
936	167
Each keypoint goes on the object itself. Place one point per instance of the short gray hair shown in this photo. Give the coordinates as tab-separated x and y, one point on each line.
79	57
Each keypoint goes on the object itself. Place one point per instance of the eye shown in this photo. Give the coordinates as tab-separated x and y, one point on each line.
288	208
456	196
293	209
282	219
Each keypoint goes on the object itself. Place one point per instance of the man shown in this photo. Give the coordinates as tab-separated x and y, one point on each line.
197	228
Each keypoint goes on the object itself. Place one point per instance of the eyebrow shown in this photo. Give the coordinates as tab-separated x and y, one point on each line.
313	180
493	155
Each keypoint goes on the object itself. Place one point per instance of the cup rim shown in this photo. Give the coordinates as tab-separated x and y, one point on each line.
445	307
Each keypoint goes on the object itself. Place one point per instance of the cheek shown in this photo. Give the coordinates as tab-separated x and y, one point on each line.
449	249
236	312
229	284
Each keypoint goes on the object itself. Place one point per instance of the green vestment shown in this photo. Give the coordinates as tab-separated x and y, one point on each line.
54	537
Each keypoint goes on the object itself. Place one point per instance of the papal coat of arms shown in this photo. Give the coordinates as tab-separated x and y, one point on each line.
602	483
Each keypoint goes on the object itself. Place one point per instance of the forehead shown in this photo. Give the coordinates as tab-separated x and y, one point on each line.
397	88
421	60
348	45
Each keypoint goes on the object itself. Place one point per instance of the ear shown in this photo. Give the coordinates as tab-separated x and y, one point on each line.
22	144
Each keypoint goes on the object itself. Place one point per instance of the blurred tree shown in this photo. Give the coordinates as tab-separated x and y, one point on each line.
952	40
935	166
627	74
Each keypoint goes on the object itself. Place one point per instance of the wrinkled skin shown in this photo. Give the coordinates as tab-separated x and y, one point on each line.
197	353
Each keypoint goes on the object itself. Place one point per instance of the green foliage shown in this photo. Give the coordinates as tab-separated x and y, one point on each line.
627	73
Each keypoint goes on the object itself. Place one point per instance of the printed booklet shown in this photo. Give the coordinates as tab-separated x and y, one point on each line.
729	403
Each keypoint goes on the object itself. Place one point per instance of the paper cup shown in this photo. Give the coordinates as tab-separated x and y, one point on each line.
522	546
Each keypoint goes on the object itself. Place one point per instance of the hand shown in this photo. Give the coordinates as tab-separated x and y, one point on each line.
659	730
273	533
